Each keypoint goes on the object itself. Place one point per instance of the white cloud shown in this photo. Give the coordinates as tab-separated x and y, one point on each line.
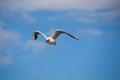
93	32
8	38
30	5
101	17
10	41
88	11
34	46
28	18
56	18
2	23
4	61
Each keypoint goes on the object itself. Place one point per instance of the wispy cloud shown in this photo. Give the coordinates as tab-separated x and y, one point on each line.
2	23
4	61
85	11
8	41
11	40
108	17
34	46
30	5
28	18
92	32
8	38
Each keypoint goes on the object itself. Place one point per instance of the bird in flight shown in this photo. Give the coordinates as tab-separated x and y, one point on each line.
52	39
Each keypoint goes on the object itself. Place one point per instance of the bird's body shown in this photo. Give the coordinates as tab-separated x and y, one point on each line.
52	39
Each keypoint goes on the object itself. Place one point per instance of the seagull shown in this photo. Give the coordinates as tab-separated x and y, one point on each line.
52	39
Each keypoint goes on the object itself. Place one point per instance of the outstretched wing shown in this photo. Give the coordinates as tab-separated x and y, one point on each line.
58	32
35	35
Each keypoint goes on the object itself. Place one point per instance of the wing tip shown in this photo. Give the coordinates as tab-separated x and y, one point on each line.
77	38
34	37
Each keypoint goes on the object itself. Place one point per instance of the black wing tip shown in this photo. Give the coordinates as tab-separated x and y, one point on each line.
77	38
65	32
34	38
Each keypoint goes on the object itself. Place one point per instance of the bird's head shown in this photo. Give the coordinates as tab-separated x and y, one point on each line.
47	40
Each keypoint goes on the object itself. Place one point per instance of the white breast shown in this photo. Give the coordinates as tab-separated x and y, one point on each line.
51	40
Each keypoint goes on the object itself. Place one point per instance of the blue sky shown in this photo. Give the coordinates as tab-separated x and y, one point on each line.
96	56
